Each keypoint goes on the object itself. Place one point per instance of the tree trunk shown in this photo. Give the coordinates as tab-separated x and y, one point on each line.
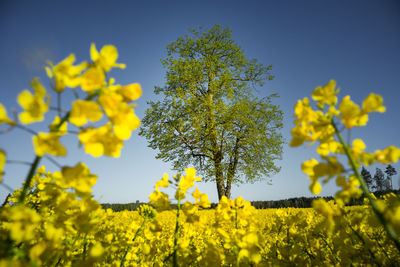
220	187
219	174
232	169
228	188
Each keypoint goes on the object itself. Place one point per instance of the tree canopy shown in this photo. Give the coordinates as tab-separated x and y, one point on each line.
209	116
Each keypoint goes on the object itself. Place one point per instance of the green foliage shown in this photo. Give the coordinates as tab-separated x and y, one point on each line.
209	116
379	179
367	177
390	171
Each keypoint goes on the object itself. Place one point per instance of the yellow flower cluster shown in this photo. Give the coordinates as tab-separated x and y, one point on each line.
323	125
103	96
319	125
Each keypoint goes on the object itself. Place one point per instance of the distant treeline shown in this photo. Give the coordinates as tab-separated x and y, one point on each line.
298	202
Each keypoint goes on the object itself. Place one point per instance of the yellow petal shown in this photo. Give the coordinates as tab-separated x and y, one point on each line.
131	92
315	187
122	131
110	55
3	116
2	162
92	79
196	194
38	88
94	55
190	172
358	145
25	98
94	149
97	250
308	166
373	103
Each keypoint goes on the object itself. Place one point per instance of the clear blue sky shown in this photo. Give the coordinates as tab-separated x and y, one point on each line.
357	43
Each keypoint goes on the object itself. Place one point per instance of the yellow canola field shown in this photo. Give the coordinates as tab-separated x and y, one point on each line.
54	227
285	237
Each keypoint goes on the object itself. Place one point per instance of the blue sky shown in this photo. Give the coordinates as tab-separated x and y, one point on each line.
307	42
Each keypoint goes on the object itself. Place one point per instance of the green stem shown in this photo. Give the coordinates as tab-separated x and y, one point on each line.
28	180
237	227
388	228
26	129
59	103
236	218
84	247
174	256
18	162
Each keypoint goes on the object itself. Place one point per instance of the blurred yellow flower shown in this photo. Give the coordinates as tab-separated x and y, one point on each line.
79	178
83	110
130	92
308	166
120	114
65	74
351	114
34	105
388	155
160	200
49	143
36	251
196	194
201	199
97	250
187	181
327	147
326	94
204	202
2	163
101	141
239	202
302	133
373	103
315	187
303	111
3	116
92	79
107	57
163	182
23	222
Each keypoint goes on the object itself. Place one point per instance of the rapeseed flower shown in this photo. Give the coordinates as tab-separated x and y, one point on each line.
83	110
2	163
3	116
107	58
34	105
99	141
92	79
65	73
78	178
121	115
325	95
49	143
351	114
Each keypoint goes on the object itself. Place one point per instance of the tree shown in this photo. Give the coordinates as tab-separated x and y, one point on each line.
379	179
367	177
390	171
209	116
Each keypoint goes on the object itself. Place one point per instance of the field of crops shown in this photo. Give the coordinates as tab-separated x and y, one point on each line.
55	228
275	237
